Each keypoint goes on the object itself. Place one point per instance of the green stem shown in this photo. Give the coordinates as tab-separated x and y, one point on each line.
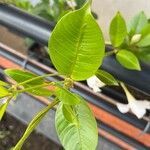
35	87
33	124
36	78
111	52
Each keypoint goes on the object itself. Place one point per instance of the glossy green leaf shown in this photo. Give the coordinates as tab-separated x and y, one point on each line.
33	124
106	77
81	136
76	46
128	60
137	23
21	76
69	113
144	42
3	108
3	92
117	30
67	97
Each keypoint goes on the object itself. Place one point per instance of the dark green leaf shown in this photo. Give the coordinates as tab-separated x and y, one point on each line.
137	23
117	30
76	45
67	97
128	60
80	136
106	77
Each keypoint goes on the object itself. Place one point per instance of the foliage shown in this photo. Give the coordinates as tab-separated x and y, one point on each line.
131	42
51	10
76	48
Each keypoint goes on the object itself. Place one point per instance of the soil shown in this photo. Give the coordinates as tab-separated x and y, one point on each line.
11	131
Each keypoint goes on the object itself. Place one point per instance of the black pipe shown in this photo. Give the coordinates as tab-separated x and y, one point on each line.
88	95
39	30
26	24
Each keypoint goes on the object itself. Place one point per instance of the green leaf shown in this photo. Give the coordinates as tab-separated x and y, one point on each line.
144	42
137	23
67	97
81	136
117	30
76	46
2	83
3	92
128	60
106	77
69	113
40	91
21	76
144	54
145	30
33	124
3	108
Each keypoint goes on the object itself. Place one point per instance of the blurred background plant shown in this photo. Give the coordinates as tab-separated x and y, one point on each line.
50	10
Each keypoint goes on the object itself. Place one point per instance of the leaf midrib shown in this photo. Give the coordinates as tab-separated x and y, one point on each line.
78	45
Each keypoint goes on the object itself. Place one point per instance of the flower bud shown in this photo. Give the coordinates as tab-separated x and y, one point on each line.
135	38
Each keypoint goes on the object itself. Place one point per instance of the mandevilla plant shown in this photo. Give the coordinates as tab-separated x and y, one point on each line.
131	41
76	48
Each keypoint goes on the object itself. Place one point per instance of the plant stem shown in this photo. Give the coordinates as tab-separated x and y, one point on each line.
36	78
35	87
33	124
111	52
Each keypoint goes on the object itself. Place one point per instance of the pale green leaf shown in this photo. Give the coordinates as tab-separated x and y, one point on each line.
145	30
128	60
137	23
106	77
22	75
117	30
69	113
3	108
81	136
67	97
3	92
40	91
76	45
33	124
144	42
2	83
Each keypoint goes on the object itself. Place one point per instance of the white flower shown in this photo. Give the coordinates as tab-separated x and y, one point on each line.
71	3
94	83
138	107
